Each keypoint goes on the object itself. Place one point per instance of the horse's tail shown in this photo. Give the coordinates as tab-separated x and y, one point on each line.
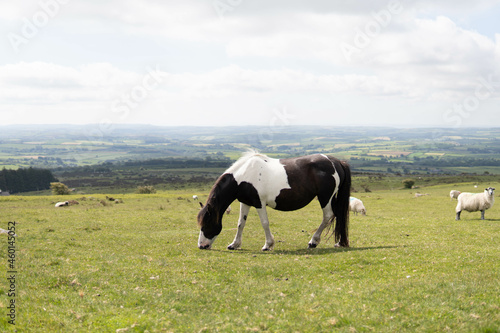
341	207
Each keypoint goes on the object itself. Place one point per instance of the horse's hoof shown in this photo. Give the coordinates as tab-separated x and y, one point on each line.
312	245
204	247
231	248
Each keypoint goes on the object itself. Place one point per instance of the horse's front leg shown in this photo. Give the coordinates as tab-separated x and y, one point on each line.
327	220
265	224
244	209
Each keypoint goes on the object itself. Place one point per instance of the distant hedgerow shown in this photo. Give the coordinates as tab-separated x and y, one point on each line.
146	189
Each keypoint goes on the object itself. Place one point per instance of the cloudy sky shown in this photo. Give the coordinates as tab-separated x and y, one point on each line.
251	62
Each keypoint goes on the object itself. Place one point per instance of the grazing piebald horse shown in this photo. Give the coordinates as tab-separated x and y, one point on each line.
256	180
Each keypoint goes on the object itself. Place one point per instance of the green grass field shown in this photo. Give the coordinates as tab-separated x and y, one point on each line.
135	267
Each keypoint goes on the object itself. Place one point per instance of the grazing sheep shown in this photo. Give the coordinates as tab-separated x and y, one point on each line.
473	202
62	204
356	206
195	197
454	194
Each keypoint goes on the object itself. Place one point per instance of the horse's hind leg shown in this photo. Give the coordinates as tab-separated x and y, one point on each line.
265	224
327	220
244	209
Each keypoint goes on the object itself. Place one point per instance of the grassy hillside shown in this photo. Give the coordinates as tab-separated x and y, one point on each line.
135	267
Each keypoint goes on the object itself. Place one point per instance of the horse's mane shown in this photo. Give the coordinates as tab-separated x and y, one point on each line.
214	197
244	158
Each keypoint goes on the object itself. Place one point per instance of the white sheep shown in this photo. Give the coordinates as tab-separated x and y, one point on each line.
356	206
62	204
473	202
454	194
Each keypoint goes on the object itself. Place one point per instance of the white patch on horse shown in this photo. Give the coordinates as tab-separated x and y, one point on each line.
336	177
266	174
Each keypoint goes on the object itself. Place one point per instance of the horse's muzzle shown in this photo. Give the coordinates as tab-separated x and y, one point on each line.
205	243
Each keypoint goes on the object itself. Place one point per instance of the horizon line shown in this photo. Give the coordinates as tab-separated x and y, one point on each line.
282	127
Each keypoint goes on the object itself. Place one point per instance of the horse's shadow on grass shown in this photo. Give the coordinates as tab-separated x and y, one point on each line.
314	252
478	220
322	251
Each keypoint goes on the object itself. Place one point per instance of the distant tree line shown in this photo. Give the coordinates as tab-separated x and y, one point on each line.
428	162
178	163
460	161
25	180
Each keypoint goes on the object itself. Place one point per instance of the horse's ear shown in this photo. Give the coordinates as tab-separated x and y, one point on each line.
201	205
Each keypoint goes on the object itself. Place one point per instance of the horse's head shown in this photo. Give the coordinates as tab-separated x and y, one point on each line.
210	222
210	216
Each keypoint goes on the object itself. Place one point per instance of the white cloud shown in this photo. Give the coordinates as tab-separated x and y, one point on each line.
51	83
422	59
9	11
103	81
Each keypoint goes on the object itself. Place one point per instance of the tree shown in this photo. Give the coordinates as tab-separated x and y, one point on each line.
59	189
24	180
3	180
408	183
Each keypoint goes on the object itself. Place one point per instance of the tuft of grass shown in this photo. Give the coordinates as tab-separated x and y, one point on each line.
134	267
